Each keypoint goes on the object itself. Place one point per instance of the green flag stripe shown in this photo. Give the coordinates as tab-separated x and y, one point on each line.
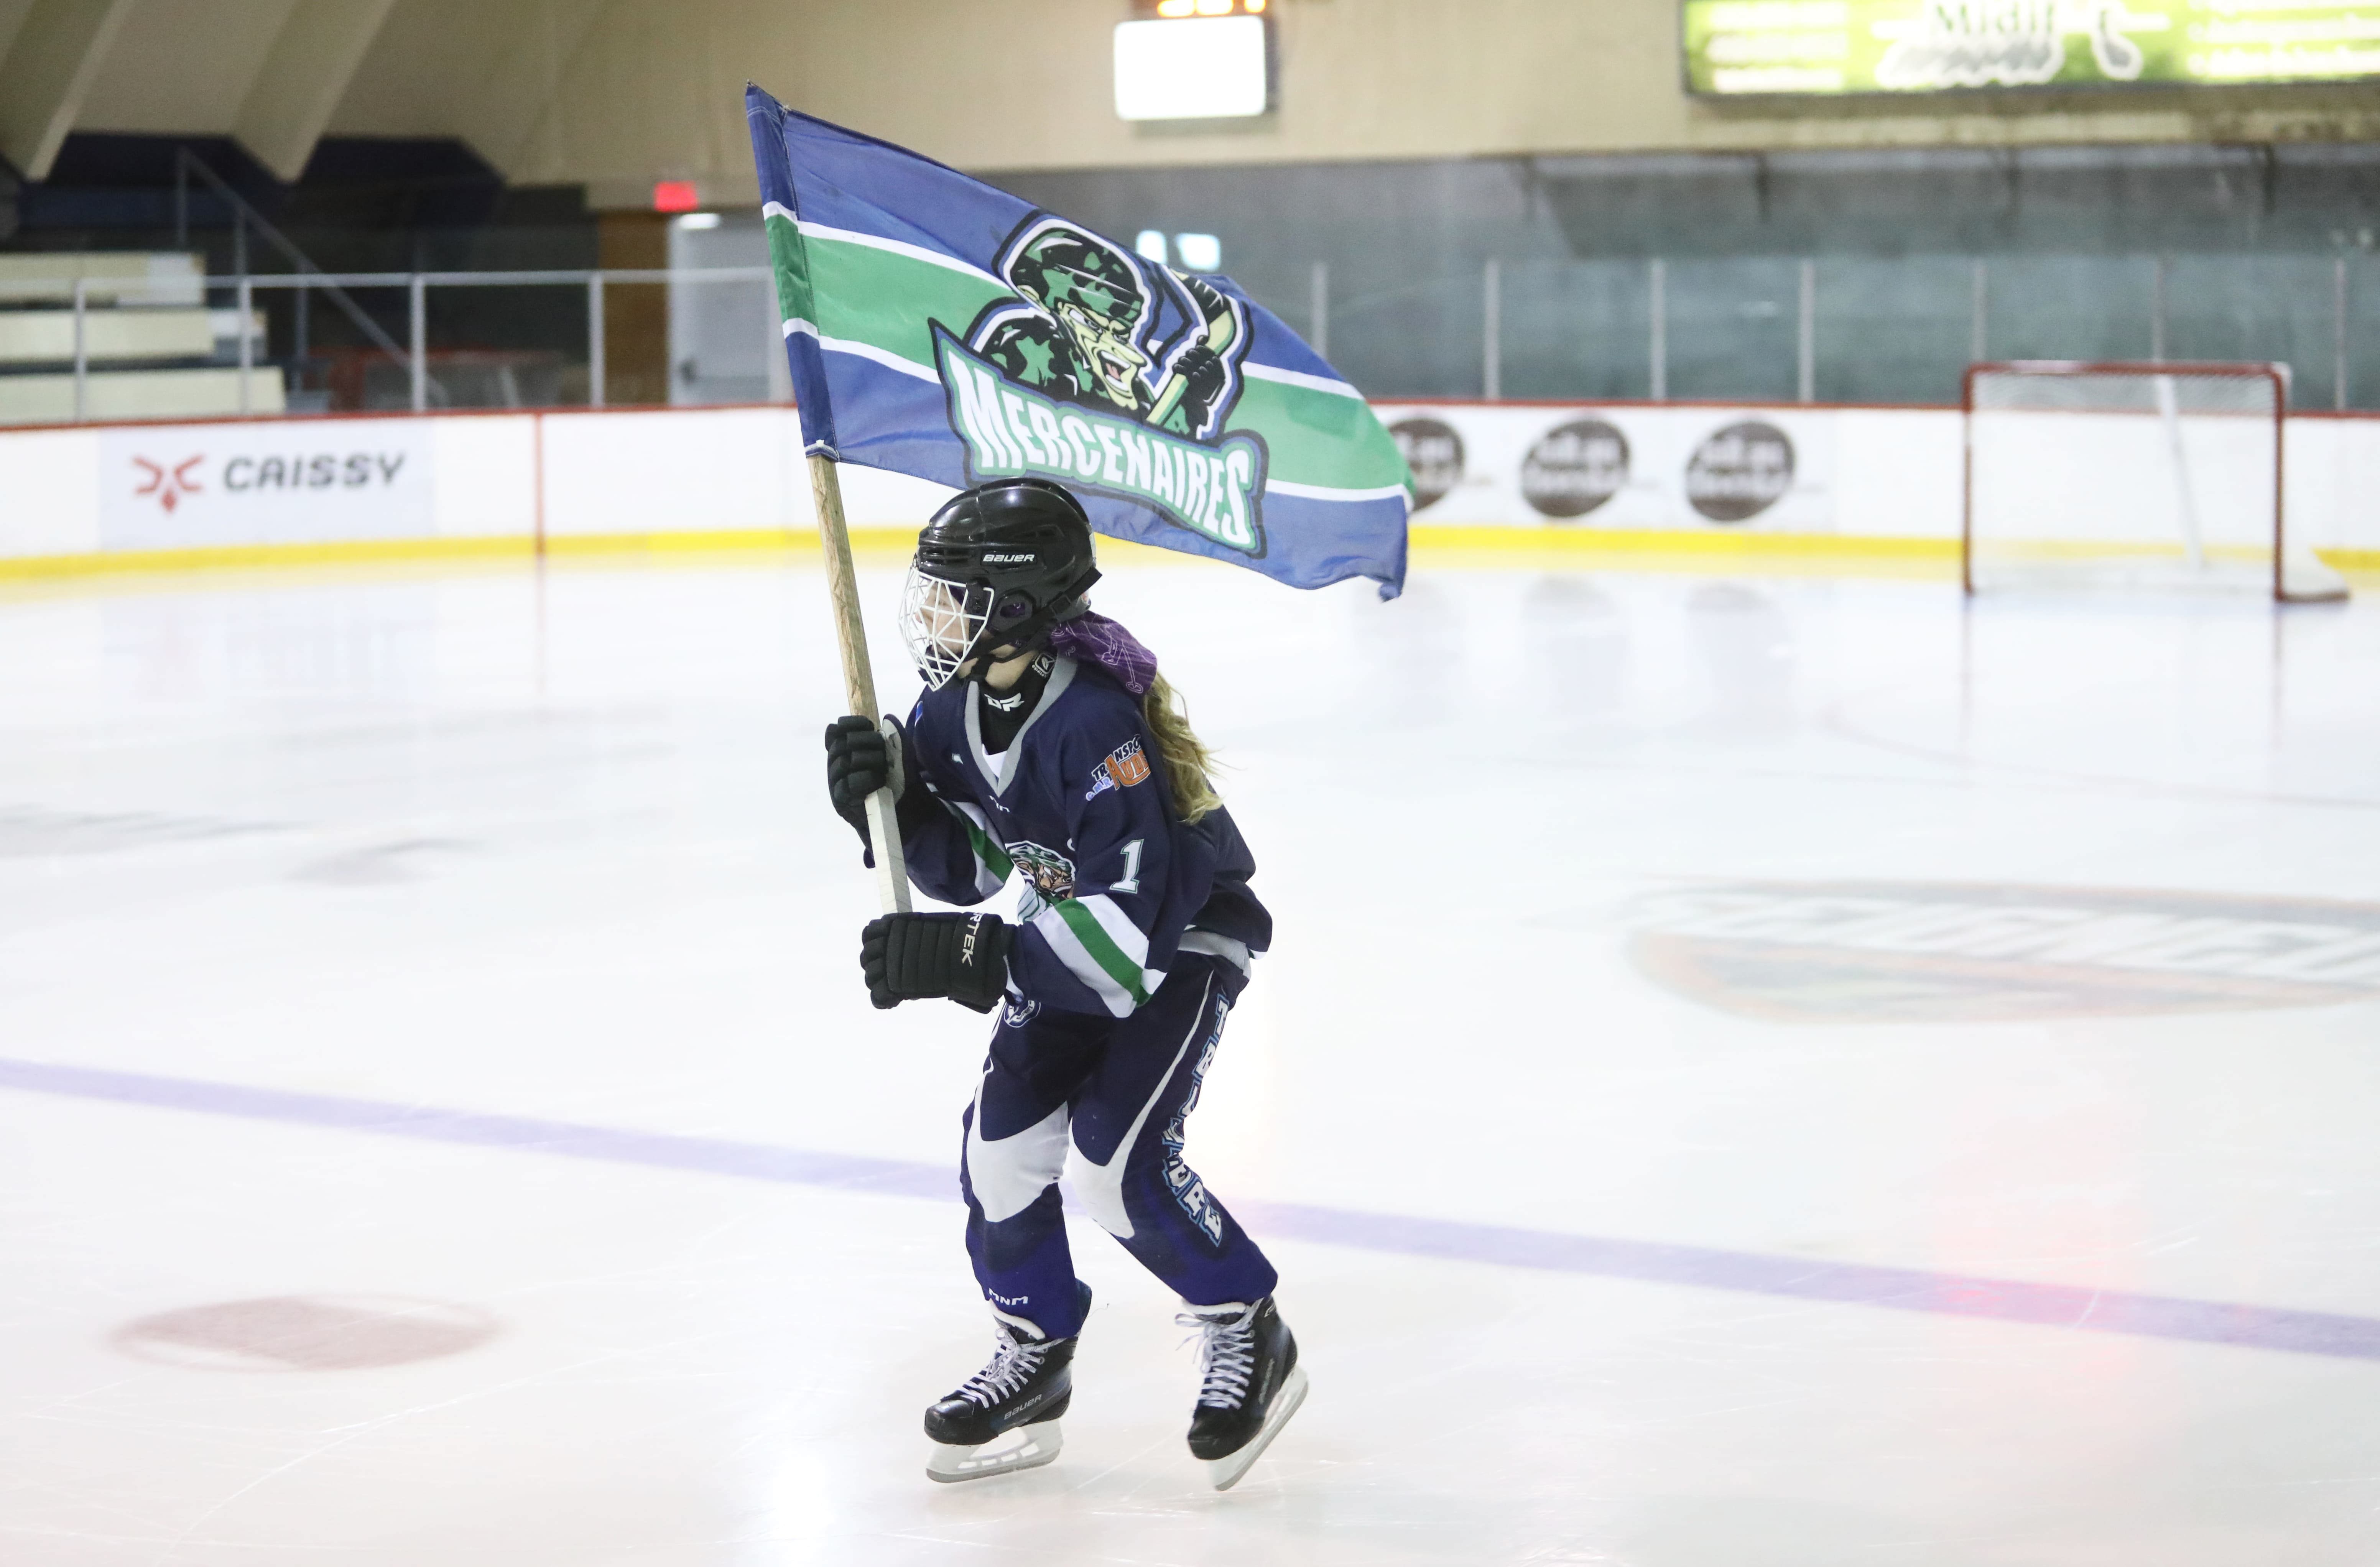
886	300
1318	437
1102	948
794	301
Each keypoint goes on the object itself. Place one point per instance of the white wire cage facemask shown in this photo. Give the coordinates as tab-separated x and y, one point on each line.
941	624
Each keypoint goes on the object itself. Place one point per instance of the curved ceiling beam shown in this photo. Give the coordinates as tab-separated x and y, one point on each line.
508	127
305	75
57	51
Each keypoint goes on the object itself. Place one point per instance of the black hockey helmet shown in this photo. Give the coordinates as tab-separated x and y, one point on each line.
996	567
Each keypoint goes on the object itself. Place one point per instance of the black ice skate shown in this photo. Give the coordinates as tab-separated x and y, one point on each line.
1249	1384
1005	1416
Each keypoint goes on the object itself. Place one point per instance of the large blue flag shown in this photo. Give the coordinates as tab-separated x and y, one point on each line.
941	328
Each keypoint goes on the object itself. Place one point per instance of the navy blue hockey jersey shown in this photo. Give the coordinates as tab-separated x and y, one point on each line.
1116	883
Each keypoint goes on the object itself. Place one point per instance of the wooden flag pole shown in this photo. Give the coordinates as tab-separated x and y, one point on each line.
858	679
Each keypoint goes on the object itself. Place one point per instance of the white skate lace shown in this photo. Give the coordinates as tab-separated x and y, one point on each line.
1227	1357
1013	1366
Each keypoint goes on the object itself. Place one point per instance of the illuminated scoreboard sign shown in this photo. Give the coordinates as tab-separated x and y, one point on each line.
1753	47
1193	60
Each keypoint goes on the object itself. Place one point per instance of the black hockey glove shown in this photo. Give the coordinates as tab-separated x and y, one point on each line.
858	762
910	958
1203	380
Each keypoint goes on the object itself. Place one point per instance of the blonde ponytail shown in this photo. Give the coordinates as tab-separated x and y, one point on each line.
1187	761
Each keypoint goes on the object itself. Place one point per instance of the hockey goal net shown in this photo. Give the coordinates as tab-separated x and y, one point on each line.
2155	476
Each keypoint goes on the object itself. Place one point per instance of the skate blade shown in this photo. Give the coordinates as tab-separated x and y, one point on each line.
1027	1447
1225	1472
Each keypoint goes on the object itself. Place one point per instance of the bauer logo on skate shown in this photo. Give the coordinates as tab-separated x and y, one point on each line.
1856	952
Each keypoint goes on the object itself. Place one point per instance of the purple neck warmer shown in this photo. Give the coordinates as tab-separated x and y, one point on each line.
1093	638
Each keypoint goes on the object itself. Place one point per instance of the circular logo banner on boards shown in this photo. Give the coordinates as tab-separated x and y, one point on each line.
1740	471
1434	452
1574	468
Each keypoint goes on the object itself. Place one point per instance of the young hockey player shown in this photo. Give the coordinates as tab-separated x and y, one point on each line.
1047	745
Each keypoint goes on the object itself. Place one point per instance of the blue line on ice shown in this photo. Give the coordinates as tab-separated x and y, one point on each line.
1897	1289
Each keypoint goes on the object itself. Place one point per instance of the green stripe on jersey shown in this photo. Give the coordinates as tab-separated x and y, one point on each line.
988	854
1102	948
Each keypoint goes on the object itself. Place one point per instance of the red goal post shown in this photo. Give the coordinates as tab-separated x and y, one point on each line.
2149	475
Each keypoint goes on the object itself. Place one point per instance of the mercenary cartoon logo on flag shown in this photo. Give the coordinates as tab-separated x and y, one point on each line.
939	327
1074	380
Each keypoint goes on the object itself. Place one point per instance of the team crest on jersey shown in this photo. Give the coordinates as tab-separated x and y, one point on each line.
1125	766
1049	878
1019	1014
1109	373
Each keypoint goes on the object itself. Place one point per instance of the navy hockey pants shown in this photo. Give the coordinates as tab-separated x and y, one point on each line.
1117	1088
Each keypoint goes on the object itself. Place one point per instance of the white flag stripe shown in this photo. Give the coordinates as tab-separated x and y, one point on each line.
898	247
1300	378
1079	961
1325	492
884	357
778	210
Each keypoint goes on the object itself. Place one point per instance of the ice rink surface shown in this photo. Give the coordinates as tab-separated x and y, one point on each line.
1753	1073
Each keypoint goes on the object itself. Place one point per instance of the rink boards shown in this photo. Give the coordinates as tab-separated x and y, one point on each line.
1830	482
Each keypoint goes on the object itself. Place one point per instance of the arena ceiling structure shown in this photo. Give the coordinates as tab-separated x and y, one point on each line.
271	74
615	94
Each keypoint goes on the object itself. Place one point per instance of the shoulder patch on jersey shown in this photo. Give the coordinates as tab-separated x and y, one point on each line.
1125	766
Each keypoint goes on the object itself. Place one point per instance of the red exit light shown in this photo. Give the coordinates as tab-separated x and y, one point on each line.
676	196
